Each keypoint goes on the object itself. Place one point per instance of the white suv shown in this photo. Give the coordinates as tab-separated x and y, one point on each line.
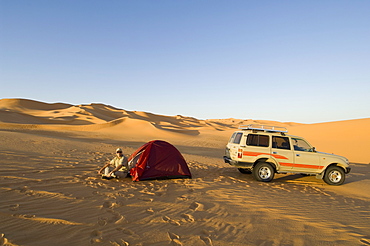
265	150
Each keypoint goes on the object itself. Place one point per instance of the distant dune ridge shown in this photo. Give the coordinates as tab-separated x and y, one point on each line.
24	111
348	138
51	193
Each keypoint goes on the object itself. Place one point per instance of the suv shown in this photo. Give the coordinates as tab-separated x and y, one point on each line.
265	150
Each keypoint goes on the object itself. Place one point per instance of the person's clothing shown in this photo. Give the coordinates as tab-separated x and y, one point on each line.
118	174
116	161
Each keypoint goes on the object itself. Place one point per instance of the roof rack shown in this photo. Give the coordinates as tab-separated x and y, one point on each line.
265	128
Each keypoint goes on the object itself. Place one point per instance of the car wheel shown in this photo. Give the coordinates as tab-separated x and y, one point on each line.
334	175
245	170
263	171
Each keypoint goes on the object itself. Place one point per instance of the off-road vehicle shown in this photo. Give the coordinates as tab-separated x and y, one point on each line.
265	150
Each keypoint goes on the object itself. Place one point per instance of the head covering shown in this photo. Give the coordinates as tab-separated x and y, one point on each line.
118	150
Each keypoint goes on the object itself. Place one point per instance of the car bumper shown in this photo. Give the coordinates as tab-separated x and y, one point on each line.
227	159
238	164
348	169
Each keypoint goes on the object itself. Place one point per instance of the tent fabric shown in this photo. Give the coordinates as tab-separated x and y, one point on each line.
158	160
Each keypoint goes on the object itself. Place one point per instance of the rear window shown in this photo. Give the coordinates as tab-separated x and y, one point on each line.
232	137
237	138
258	140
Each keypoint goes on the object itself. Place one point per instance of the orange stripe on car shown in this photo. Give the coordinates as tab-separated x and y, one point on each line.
309	166
300	165
279	156
249	153
285	164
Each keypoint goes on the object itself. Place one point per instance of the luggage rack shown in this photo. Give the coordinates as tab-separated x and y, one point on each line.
265	128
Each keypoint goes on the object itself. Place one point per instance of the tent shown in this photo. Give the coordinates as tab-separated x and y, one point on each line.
157	160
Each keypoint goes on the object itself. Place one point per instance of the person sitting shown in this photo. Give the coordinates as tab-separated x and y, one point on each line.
297	147
116	168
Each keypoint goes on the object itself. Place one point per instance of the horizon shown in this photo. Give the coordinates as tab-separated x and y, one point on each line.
305	62
160	114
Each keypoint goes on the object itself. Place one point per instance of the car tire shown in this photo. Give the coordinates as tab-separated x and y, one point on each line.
263	171
334	175
245	170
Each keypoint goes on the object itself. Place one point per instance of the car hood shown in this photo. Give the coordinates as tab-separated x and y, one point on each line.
339	156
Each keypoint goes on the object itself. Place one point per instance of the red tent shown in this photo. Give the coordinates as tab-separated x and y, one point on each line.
158	160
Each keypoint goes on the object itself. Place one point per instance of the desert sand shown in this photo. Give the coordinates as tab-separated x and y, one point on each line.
51	193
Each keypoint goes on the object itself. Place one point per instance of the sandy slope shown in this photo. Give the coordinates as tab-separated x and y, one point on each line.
50	193
347	138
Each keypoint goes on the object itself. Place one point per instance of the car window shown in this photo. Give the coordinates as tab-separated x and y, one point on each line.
232	137
237	138
258	140
301	145
280	142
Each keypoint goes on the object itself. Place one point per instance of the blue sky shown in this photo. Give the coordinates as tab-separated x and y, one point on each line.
300	61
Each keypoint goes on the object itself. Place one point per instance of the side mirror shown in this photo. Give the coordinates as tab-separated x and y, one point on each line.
313	149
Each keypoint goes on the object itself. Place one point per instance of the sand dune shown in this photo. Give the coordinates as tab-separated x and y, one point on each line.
50	192
347	138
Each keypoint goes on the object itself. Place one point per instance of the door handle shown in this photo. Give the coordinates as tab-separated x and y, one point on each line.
274	152
298	155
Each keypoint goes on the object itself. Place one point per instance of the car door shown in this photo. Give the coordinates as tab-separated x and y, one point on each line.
282	152
305	159
255	145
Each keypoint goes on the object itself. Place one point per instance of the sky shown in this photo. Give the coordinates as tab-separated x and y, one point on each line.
291	61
